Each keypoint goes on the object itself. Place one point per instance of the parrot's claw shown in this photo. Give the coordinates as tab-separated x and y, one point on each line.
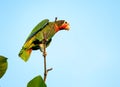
44	53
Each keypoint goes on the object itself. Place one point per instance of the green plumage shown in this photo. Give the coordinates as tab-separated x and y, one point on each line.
35	39
3	65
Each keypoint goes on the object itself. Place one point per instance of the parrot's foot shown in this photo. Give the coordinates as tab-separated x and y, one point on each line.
44	54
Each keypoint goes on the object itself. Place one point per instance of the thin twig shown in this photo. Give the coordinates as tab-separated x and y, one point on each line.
44	55
49	69
55	19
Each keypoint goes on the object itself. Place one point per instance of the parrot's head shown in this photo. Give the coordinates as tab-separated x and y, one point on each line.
62	25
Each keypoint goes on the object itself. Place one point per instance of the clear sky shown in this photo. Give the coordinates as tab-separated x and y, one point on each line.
86	56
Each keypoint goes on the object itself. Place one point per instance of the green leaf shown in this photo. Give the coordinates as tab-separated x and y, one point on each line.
3	65
37	82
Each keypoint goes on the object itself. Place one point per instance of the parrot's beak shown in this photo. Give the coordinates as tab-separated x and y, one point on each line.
66	26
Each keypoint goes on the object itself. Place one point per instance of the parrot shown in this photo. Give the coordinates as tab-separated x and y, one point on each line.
36	37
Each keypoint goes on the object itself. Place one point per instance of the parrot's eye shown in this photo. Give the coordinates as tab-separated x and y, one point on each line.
65	22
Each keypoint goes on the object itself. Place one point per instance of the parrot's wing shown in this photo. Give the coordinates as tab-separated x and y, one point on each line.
38	28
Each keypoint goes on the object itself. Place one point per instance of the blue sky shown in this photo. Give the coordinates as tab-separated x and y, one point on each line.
86	56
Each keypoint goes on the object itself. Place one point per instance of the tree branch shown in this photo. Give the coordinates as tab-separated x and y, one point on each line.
44	55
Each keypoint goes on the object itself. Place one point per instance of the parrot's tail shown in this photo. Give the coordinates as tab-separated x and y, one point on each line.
25	54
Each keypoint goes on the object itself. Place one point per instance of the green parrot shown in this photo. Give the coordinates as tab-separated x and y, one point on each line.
36	37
